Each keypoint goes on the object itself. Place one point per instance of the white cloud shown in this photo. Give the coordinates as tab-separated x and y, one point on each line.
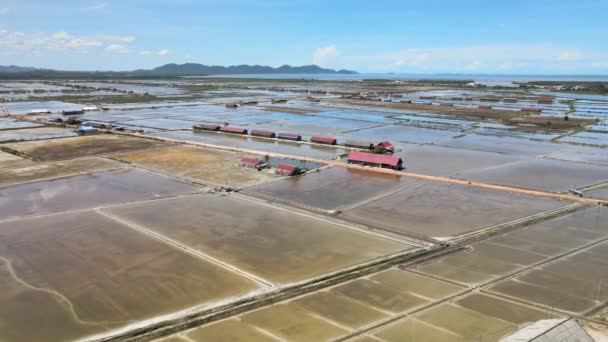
408	58
96	7
600	65
4	11
119	39
117	49
474	65
31	44
15	43
481	58
569	56
325	55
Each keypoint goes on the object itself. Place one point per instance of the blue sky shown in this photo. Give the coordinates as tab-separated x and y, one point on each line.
431	36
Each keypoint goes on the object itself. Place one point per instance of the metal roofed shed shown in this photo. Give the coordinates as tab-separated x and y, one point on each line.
39	111
97	124
235	130
73	112
84	130
359	144
207	127
261	133
288	170
377	160
89	108
323	140
551	330
289	136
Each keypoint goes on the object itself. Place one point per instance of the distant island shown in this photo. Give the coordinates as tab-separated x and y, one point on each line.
170	70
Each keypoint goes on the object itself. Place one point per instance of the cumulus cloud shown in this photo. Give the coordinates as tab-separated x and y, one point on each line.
119	39
325	55
16	43
96	7
481	58
28	44
4	11
569	56
116	49
600	65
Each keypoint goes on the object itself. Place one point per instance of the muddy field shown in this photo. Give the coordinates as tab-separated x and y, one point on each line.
332	188
35	134
320	316
505	253
8	160
55	169
543	174
68	148
583	154
601	193
445	161
87	191
407	134
575	283
414	210
206	165
9	124
79	271
503	145
473	318
246	234
85	220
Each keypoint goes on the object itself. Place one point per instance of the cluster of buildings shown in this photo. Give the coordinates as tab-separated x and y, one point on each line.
376	155
261	164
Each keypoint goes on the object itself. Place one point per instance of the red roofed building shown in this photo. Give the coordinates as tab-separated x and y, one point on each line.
485	106
249	161
322	140
260	133
378	160
252	162
288	170
207	127
386	146
531	109
235	130
289	136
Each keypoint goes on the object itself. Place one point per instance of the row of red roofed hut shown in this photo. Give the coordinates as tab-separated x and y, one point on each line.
264	134
381	148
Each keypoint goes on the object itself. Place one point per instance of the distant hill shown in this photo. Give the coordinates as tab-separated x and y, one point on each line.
201	69
169	70
13	69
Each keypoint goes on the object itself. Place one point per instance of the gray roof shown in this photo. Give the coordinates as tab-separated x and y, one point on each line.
551	330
